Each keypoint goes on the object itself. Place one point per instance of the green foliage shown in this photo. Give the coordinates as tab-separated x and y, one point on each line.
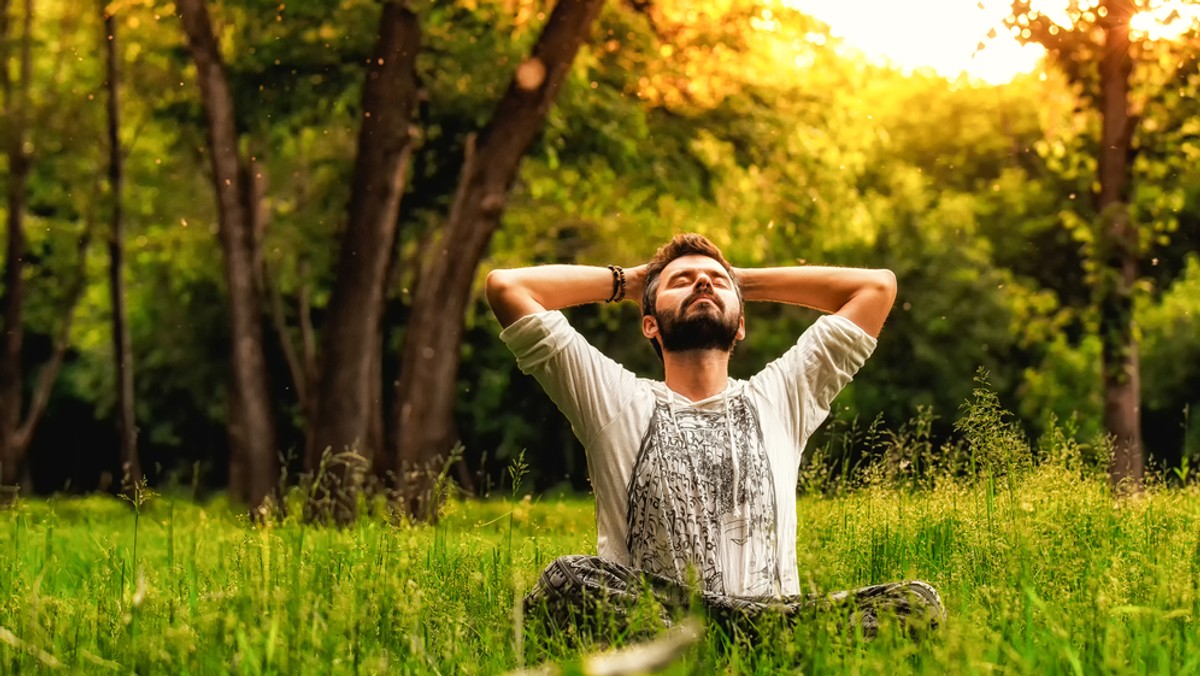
1169	329
993	441
1061	445
956	310
1065	386
1171	358
742	120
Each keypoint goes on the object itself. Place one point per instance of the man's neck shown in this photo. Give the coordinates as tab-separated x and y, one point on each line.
696	374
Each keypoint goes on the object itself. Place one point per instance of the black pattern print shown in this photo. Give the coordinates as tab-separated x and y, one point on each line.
696	514
572	589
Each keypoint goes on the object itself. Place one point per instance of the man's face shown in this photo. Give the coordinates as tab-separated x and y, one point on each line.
697	307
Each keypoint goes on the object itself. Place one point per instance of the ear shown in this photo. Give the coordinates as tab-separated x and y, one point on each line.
649	326
741	332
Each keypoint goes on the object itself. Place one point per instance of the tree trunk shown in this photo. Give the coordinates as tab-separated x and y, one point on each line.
254	465
12	454
1118	244
376	439
16	430
429	364
385	470
340	430
131	471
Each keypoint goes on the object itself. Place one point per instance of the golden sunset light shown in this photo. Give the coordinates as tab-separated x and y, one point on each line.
1167	21
944	35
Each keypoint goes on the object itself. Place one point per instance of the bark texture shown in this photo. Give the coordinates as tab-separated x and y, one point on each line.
254	465
425	391
340	435
16	98
18	421
1118	244
131	471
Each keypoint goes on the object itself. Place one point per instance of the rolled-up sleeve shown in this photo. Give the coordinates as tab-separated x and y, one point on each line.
802	384
588	387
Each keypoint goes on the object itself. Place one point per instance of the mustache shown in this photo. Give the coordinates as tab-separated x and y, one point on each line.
704	293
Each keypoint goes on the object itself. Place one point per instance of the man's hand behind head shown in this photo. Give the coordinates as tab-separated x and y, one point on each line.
635	283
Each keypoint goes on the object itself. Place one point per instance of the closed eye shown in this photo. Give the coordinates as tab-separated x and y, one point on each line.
685	278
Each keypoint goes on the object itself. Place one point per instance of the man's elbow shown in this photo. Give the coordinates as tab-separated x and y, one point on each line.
499	284
873	301
507	296
886	283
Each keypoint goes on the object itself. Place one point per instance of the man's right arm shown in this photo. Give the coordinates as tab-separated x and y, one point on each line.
588	387
516	293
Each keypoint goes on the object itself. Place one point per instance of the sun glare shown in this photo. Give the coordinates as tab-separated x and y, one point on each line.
945	35
1167	21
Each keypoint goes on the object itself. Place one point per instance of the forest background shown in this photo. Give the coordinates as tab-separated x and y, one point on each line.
743	120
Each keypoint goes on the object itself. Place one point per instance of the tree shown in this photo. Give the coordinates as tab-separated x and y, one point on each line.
254	464
121	341
15	115
345	394
1095	51
18	421
425	391
1119	252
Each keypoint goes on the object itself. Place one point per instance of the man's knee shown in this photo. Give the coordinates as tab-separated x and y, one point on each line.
916	604
924	594
580	576
919	606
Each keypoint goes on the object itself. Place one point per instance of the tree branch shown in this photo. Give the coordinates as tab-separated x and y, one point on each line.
468	168
49	372
5	79
279	321
308	336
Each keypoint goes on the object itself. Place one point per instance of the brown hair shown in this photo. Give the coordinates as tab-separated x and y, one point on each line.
687	244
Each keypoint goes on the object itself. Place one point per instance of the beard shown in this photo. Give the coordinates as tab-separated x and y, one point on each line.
684	330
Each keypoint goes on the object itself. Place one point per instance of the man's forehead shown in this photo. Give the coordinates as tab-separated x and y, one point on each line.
693	263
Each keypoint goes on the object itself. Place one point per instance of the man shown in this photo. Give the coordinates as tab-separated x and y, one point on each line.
695	477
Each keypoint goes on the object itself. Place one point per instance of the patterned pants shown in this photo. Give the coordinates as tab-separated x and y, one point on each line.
574	589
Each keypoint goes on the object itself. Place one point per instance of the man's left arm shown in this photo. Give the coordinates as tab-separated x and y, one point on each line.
863	296
800	386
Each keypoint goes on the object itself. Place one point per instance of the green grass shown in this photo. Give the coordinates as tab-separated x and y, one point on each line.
1042	571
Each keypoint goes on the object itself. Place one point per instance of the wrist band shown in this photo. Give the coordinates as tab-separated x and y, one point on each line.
618	292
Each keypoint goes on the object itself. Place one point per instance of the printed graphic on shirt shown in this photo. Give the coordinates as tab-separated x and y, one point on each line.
702	500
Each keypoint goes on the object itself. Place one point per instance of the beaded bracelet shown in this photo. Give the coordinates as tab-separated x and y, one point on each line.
618	292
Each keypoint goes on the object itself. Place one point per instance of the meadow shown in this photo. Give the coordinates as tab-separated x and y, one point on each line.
1041	568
